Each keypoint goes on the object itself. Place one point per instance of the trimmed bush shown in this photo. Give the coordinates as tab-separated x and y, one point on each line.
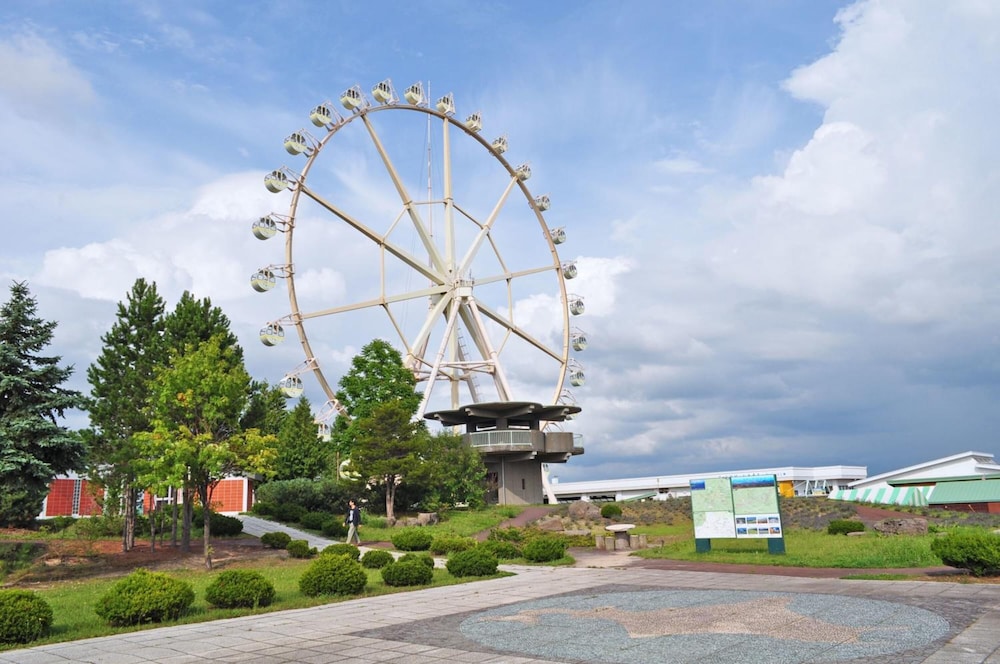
144	597
24	616
221	524
474	562
376	559
422	558
448	543
288	513
412	539
334	527
240	588
844	526
314	520
544	549
333	575
300	549
500	550
407	573
276	540
973	549
343	549
610	510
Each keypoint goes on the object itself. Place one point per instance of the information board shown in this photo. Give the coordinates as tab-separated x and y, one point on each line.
740	507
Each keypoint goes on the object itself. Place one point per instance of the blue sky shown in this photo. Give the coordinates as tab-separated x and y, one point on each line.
784	213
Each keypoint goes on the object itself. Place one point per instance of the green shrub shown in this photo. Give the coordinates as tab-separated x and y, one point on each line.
500	550
56	524
144	597
407	573
376	559
240	588
300	549
474	562
221	524
507	534
261	508
610	510
310	495
334	527
276	540
24	616
373	521
99	526
544	549
448	543
288	513
343	549
333	575
976	550
314	520
844	526
412	539
422	558
18	555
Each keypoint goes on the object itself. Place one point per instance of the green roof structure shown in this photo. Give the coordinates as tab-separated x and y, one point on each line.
965	492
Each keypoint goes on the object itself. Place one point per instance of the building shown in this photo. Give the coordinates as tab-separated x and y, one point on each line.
968	481
510	436
792	481
71	495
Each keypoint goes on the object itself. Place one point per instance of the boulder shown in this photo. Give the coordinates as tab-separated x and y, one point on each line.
582	510
427	518
550	524
912	526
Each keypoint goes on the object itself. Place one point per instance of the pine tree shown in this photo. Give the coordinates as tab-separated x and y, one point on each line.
301	450
120	380
192	323
34	448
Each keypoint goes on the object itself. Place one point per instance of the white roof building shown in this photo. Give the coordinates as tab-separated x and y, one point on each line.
912	485
802	481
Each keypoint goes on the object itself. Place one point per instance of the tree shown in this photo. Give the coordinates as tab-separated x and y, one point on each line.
196	438
266	409
301	450
191	323
376	377
34	448
455	473
120	380
389	447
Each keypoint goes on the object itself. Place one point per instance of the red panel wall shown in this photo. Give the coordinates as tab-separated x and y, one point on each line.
60	500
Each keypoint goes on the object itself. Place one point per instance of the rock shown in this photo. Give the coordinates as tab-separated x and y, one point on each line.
858	533
550	525
584	510
427	518
914	526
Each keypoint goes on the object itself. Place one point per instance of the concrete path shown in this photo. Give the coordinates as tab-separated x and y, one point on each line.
608	609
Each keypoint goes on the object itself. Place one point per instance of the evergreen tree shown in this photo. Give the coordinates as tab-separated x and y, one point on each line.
302	452
377	376
120	380
34	449
266	409
192	323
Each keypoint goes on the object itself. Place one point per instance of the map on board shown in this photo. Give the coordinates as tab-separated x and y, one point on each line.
712	508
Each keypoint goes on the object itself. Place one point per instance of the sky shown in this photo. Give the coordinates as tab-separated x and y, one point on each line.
784	214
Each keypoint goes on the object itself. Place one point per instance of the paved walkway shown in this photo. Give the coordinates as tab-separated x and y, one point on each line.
606	609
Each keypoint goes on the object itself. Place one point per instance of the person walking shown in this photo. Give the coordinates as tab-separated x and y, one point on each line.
353	521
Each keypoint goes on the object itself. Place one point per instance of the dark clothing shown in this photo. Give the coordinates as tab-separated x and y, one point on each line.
353	517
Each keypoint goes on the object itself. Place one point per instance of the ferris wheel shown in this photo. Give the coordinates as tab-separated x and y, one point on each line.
403	222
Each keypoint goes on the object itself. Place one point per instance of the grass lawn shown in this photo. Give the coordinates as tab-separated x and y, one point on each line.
809	548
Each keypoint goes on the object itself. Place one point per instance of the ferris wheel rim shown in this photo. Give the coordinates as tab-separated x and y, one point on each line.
298	317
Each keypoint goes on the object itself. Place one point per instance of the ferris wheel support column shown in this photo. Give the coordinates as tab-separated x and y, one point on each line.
483	342
449	200
449	332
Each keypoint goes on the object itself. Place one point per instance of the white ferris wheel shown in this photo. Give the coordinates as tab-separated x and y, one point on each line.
410	226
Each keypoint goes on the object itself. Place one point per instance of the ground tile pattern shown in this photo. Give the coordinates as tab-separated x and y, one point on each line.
630	624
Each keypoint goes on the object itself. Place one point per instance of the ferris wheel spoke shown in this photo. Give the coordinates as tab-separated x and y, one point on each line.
509	325
484	229
411	210
473	322
512	275
412	261
376	302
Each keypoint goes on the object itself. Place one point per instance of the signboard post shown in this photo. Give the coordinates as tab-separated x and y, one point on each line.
738	507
